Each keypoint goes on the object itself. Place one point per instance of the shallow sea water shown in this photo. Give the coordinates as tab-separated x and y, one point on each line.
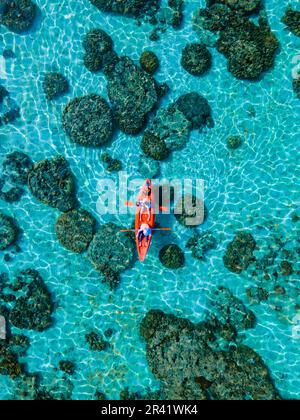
255	187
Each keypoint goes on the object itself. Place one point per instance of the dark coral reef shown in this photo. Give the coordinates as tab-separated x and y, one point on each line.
239	253
149	62
9	110
33	308
291	19
196	59
249	48
171	126
171	256
52	182
132	93
15	169
29	303
55	85
112	164
136	8
75	230
96	43
88	120
18	15
200	243
186	359
96	341
111	252
8	231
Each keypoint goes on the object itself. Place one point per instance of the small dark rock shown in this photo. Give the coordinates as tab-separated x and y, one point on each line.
67	367
55	85
196	59
96	342
172	256
8	231
149	62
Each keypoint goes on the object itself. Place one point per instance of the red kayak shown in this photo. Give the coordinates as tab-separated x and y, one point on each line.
146	194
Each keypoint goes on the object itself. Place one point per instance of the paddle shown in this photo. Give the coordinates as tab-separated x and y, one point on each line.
133	230
132	204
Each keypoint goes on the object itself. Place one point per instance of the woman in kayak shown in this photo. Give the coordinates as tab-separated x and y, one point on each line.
145	206
144	232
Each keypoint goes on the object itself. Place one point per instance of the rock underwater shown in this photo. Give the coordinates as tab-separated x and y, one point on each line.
171	126
33	306
181	355
132	93
75	230
135	8
249	48
291	19
239	252
18	15
88	120
8	231
52	182
171	256
111	252
196	59
55	85
96	43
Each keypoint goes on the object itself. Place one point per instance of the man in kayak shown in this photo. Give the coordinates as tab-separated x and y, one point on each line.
144	232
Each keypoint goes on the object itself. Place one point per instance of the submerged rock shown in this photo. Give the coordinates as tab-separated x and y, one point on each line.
16	167
9	110
171	126
132	93
75	230
249	48
135	8
9	364
234	142
88	120
96	342
291	19
8	231
18	15
171	256
180	356
239	252
55	85
196	59
247	6
296	86
230	310
154	147
200	243
196	109
149	62
111	252
52	182
97	43
67	367
33	309
112	165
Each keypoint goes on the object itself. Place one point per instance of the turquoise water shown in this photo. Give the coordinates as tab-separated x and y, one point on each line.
255	187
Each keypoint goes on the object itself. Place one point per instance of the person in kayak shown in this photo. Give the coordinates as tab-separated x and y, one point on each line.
144	232
145	206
